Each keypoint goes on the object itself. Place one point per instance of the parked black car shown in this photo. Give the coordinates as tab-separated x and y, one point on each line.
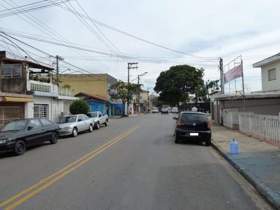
193	126
17	135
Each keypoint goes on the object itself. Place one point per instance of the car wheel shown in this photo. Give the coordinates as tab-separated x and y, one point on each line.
90	129
75	132
177	140
20	147
53	138
97	125
106	124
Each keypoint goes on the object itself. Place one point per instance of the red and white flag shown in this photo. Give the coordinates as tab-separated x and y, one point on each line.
233	73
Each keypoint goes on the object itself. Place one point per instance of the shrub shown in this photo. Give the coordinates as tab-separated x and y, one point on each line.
79	107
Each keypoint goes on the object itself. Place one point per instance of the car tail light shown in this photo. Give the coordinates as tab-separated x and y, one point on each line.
179	124
209	124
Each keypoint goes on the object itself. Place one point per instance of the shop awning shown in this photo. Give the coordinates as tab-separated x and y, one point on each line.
16	99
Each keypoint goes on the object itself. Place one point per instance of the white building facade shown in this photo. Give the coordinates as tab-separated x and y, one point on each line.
270	72
49	101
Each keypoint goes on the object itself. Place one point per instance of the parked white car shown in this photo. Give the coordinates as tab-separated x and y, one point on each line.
155	110
98	118
174	110
74	124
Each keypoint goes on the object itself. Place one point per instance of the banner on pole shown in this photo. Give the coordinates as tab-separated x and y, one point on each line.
233	73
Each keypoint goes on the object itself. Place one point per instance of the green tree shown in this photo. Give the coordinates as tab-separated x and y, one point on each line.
79	107
176	84
123	91
212	85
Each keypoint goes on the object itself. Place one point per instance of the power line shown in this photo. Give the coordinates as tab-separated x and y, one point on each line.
96	26
19	48
70	46
144	59
6	36
59	3
87	25
29	7
29	18
136	37
25	5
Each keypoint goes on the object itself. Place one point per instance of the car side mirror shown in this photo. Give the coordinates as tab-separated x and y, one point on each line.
175	118
79	120
29	128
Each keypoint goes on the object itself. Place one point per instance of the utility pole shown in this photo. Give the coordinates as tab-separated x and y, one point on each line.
243	85
221	67
129	66
57	58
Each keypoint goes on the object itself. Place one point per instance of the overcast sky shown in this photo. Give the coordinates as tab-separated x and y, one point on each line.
217	28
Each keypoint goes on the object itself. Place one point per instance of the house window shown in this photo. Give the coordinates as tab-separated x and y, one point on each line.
41	111
12	70
271	74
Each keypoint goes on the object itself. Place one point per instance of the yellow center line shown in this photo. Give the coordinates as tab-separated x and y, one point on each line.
30	192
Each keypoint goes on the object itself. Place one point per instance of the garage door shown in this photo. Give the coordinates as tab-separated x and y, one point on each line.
8	113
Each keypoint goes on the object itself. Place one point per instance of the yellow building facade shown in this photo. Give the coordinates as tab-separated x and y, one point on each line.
94	84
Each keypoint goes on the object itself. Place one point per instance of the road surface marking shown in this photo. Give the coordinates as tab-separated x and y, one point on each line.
44	183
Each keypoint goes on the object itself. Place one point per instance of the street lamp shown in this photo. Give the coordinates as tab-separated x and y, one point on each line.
140	75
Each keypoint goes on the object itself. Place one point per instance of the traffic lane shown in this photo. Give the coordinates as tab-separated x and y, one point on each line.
19	172
148	171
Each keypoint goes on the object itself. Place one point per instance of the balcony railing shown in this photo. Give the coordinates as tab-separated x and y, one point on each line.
40	87
49	88
65	91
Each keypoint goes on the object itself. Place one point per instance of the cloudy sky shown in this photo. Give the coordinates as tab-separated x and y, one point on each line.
203	30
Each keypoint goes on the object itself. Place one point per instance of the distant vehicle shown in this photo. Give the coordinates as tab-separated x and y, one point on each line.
98	119
155	110
193	125
174	110
18	135
74	124
164	110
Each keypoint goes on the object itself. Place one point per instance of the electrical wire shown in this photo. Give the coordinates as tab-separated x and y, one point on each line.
32	20
136	37
142	59
30	7
97	28
8	37
61	4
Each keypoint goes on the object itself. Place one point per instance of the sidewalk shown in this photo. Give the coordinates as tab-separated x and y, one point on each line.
258	161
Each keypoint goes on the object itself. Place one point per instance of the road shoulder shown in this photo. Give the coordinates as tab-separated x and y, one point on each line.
258	162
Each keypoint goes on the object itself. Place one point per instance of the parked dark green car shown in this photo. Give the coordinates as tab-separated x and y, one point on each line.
18	135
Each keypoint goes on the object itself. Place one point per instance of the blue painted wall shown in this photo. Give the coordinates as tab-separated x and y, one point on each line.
113	109
97	106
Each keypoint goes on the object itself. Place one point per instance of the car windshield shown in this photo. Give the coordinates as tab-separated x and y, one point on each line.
193	117
14	126
92	114
68	119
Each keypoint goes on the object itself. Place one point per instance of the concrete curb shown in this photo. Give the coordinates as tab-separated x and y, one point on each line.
261	188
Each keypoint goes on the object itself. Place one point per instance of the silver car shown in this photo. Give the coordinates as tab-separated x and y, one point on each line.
74	124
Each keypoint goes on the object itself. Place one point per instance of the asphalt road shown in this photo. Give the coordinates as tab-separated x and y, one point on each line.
131	164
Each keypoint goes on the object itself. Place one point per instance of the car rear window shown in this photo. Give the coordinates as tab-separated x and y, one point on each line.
68	119
193	117
92	114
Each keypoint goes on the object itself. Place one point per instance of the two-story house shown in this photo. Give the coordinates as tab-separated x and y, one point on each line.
270	73
27	90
